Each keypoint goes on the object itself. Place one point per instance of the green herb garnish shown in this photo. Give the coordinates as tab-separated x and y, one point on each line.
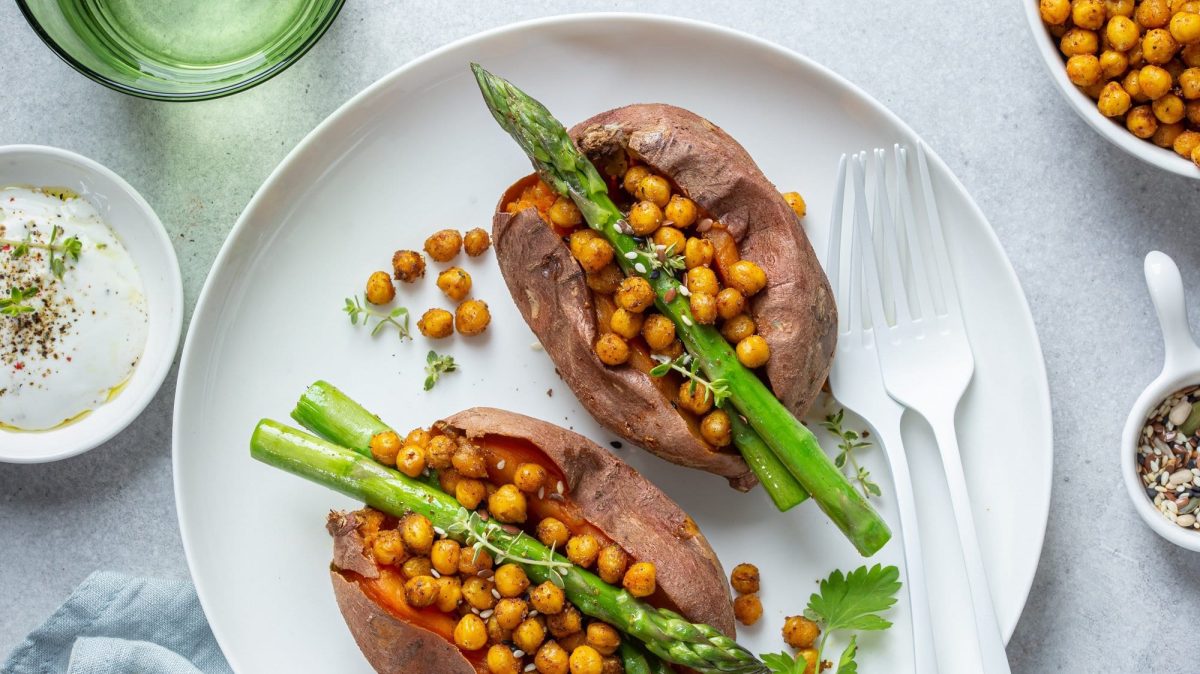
69	247
14	304
690	368
397	318
479	532
848	442
436	366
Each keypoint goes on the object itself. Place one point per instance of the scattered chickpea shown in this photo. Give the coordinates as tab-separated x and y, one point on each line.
704	308
419	437
472	317
416	566
455	282
632	177
583	550
1153	13
612	664
635	294
507	505
681	211
564	623
1122	33
625	323
1158	46
640	579
1186	142
565	213
753	351
592	251
694	398
796	202
449	593
1168	109
730	303
436	323
478	591
421	591
411	460
473	560
654	189
448	478
1166	134
1189	83
738	328
800	632
470	493
606	281
1114	100
408	265
500	660
573	640
547	598
702	280
670	239
443	245
1141	121
441	449
385	446
1088	14
469	461
745	579
470	634
671	351
388	548
510	612
552	532
811	659
1083	70
697	252
746	277
611	563
1055	12
530	634
747	608
715	429
476	242
551	658
1113	64
603	637
417	532
658	331
379	288
644	217
444	556
1078	41
611	349
585	660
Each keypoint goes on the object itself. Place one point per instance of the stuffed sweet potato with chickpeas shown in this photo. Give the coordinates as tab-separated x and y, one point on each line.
692	190
418	601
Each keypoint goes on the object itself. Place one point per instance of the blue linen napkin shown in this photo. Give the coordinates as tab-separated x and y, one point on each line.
114	624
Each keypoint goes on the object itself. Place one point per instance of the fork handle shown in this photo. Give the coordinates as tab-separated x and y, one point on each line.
991	641
924	651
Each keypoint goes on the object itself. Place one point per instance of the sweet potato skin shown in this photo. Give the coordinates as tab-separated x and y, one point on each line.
612	497
795	313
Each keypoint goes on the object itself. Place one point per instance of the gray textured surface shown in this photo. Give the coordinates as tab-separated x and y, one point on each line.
1075	215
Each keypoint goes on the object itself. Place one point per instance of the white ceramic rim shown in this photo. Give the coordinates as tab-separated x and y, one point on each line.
228	250
1116	134
141	388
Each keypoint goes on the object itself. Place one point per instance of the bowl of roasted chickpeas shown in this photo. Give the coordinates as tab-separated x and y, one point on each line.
1131	69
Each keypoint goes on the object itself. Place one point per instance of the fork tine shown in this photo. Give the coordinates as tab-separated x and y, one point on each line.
833	258
890	271
918	269
865	247
941	256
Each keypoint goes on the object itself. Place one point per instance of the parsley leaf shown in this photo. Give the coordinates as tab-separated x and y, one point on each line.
782	663
397	318
436	366
852	602
14	304
846	663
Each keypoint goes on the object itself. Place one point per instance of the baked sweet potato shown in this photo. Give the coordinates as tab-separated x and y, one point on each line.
600	494
794	313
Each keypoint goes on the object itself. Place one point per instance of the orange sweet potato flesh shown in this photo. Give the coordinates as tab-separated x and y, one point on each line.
606	495
795	313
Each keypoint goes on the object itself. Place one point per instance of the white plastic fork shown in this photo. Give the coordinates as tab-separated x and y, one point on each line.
924	353
857	383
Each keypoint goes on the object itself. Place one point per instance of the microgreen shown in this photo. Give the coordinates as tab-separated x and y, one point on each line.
487	534
397	318
661	257
14	304
435	366
690	368
848	442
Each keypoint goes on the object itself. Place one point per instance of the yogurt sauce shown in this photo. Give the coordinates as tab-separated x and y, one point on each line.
67	344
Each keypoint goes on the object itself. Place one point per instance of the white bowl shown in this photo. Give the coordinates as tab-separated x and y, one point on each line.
142	233
1116	133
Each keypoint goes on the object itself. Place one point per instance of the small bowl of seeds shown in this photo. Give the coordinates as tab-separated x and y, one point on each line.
1160	448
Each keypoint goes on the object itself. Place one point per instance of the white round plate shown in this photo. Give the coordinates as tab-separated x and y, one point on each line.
418	151
142	233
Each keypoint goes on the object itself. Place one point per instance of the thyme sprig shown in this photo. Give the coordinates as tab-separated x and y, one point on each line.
662	257
60	252
14	304
435	366
487	534
850	441
690	367
397	318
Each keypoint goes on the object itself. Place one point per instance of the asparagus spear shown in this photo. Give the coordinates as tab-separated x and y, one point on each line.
562	165
665	634
637	661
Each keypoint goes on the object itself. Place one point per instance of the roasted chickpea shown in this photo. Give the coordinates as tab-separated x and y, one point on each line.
1083	70
730	303
472	560
448	479
611	349
369	520
417	532
443	245
444	556
379	288
583	550
411	460
500	660
697	253
811	659
586	660
419	437
694	398
478	591
565	213
612	664
1141	121
468	460
530	634
753	351
603	637
1186	142
421	591
670	239
564	623
632	177
472	317
654	189
1119	7
449	593
1152	13
529	477
1190	55
455	282
385	446
511	581
1189	83
441	449
1093	90
1193	113
796	202
507	505
745	579
1114	101
1166	134
573	641
547	598
704	308
800	632
1113	64
476	242
436	323
470	634
551	658
552	532
640	579
644	217
510	611
606	281
388	548
611	563
1088	14
635	294
747	608
625	323
658	331
681	211
1079	41
1168	109
715	429
747	277
1132	84
1158	46
738	328
1185	27
1054	12
1122	33
470	492
416	566
1196	156
592	251
408	265
702	280
496	633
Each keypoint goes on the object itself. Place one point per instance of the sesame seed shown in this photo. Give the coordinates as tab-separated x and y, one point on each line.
487	614
475	611
533	613
435	573
496	594
541	492
641	268
536	346
686	321
519	653
559	487
631	255
500	464
683	290
530	667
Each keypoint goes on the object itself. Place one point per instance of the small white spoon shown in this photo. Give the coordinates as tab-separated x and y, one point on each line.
1181	368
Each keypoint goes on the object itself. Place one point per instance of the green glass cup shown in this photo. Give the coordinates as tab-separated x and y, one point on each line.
180	50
